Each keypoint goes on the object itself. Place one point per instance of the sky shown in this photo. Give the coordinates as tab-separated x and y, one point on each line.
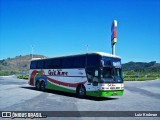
62	27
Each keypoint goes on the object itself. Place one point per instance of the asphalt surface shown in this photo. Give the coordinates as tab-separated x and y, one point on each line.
17	95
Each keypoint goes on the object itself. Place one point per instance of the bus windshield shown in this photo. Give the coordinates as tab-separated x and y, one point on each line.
112	75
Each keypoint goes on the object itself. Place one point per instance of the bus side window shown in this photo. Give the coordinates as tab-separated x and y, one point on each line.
67	62
93	60
56	63
33	65
79	62
40	65
48	64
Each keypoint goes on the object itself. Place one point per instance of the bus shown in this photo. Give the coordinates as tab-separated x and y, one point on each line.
95	74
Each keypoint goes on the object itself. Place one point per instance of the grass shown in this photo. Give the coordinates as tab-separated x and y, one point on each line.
140	79
7	72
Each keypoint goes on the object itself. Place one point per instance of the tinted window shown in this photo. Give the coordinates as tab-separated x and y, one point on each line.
53	63
67	62
40	64
56	63
93	60
107	62
111	61
33	65
48	64
79	62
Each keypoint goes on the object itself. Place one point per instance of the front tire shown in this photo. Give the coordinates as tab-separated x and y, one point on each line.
81	91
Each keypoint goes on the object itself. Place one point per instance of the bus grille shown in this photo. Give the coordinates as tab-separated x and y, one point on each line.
112	88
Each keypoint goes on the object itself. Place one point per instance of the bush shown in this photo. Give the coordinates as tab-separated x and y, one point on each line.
140	79
23	76
4	73
7	72
19	76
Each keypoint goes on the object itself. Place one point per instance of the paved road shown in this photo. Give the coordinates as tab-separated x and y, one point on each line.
17	95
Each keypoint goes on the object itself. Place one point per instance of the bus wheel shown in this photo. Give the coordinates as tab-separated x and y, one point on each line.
38	87
42	86
81	91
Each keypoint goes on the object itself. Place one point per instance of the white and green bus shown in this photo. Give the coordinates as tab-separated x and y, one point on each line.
94	74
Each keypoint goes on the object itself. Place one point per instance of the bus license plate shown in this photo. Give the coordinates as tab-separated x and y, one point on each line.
114	93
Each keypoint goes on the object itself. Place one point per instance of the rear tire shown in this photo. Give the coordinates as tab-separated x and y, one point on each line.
43	86
38	87
81	91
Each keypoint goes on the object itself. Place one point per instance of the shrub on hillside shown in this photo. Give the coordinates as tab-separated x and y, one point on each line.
23	76
140	79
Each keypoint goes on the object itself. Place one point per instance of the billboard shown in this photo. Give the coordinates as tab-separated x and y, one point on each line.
114	32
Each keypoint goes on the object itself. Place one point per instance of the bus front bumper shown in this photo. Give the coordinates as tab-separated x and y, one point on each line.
105	93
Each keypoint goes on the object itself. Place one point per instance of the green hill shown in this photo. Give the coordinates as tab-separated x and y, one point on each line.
141	71
142	66
16	65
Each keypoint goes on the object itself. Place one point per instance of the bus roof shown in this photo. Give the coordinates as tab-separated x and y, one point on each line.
107	54
98	53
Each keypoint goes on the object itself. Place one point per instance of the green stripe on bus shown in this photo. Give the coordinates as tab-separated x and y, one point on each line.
56	87
98	93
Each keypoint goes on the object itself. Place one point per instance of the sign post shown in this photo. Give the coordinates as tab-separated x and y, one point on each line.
113	35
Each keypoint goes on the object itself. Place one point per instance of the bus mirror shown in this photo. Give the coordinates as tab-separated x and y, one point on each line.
102	62
96	73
